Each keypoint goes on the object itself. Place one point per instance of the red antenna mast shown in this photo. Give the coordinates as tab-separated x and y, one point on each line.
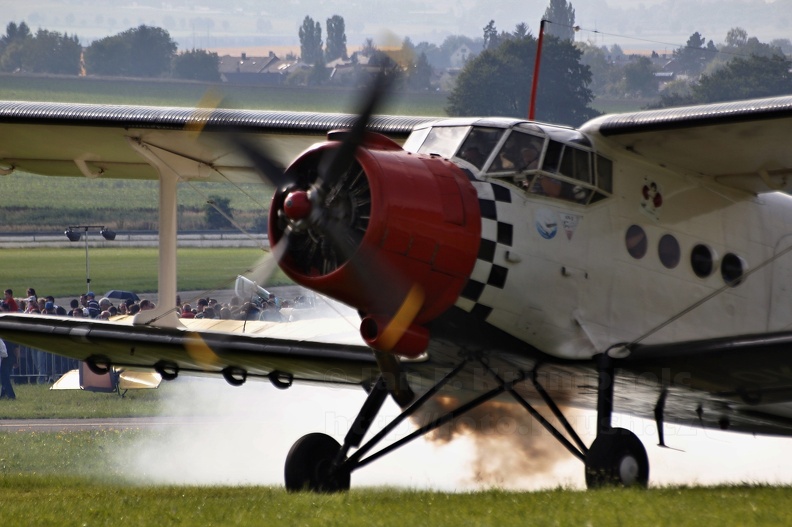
535	82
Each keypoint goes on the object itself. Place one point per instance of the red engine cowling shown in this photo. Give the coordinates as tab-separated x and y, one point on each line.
415	226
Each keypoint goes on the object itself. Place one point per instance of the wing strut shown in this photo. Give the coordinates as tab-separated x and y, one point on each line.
165	314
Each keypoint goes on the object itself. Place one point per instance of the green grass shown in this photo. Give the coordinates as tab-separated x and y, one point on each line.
37	401
79	478
56	499
61	272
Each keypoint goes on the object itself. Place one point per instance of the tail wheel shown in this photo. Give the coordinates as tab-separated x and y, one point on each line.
309	465
617	457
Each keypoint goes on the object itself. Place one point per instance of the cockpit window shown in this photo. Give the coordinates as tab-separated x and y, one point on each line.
443	140
547	161
553	157
575	164
479	145
519	152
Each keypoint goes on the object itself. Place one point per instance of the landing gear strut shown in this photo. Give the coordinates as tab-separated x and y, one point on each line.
617	456
318	463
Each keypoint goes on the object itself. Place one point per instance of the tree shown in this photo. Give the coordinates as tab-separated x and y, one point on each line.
336	39
736	37
197	65
12	44
695	55
740	78
561	16
639	77
310	41
420	74
52	52
521	30
497	83
215	219
604	73
491	37
746	78
144	51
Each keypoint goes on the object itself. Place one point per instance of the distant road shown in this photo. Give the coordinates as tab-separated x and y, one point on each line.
134	239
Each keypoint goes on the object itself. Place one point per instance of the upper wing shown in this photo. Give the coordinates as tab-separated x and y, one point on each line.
66	139
743	144
310	350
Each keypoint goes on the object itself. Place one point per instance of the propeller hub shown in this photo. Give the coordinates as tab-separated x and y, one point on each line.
297	205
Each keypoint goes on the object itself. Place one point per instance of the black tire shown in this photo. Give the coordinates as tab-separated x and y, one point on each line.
617	458
309	465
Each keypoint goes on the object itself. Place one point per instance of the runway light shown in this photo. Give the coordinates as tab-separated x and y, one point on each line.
108	234
73	233
73	236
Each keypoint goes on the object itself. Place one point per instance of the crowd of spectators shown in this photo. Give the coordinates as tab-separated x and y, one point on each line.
236	309
27	364
36	366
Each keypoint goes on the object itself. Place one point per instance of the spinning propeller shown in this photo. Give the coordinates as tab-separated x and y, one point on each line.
393	234
323	209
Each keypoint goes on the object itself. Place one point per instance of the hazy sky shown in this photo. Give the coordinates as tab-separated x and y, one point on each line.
655	24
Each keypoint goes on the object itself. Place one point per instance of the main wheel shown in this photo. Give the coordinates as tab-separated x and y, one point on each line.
617	457
309	465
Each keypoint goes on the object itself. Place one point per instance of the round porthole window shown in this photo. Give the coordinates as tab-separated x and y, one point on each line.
732	269
636	242
669	252
702	260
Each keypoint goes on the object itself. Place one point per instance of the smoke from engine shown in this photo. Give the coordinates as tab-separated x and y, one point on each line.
511	449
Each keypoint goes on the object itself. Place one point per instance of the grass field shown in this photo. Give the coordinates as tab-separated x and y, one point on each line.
78	478
57	478
61	272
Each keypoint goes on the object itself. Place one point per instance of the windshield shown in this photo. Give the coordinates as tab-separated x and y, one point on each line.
443	140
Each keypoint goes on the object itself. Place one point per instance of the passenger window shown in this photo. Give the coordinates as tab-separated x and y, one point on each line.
636	242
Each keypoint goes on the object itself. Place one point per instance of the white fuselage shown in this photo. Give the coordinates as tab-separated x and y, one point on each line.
643	262
574	290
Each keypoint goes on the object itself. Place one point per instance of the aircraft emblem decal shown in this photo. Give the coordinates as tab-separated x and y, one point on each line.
570	223
651	199
546	223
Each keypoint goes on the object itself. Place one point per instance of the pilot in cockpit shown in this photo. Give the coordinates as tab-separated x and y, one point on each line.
529	157
473	155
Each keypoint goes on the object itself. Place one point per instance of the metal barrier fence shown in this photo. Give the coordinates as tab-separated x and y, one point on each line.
39	367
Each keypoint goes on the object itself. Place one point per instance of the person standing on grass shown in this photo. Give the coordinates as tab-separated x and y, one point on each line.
8	359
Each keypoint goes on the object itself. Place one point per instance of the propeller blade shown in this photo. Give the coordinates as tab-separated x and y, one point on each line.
268	169
267	265
336	163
